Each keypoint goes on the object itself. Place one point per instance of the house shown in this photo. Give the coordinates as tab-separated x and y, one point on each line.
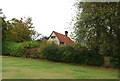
60	39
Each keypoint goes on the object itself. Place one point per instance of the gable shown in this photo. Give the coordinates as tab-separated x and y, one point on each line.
54	38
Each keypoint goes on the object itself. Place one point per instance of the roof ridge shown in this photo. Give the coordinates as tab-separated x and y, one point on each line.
58	33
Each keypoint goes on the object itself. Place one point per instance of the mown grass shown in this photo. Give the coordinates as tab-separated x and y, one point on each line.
22	68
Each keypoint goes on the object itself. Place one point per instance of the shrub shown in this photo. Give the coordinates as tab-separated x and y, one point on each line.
30	53
49	51
41	49
15	49
81	56
6	47
115	60
30	44
93	58
12	48
52	53
69	54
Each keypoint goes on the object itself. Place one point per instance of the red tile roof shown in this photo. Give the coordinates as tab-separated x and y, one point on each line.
63	38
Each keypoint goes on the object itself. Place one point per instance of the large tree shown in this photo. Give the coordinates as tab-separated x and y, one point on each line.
0	24
98	25
18	30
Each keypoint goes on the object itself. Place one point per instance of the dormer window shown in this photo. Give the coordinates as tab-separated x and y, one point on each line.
52	36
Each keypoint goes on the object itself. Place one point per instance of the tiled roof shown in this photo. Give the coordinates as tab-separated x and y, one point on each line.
63	38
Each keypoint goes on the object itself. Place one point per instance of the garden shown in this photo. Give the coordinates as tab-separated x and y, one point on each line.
94	55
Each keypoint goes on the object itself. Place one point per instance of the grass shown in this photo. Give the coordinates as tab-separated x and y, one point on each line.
22	68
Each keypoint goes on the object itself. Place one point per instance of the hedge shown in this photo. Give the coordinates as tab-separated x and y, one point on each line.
52	52
114	60
16	49
69	54
31	53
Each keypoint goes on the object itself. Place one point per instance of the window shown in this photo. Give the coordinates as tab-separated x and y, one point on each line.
61	42
52	36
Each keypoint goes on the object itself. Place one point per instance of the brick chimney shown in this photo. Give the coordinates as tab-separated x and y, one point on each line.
66	33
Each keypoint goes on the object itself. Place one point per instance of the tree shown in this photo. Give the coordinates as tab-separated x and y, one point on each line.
98	25
1	11
18	30
1	25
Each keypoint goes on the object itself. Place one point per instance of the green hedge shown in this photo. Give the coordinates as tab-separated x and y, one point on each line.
52	52
95	59
115	60
69	54
30	44
12	48
15	49
31	53
89	57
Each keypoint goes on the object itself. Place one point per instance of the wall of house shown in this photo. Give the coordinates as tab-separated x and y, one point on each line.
56	40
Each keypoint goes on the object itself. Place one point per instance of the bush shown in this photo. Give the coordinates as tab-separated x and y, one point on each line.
6	47
81	56
16	49
115	60
93	58
52	52
30	44
30	53
70	55
49	51
12	48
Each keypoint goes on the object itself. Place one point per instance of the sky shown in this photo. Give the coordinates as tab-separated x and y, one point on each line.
47	15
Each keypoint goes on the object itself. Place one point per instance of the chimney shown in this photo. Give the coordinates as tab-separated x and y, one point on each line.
66	33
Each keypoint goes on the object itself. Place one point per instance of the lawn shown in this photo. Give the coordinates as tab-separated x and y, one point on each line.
22	68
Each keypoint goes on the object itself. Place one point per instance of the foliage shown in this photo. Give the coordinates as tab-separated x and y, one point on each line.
31	53
97	25
16	49
93	58
53	52
115	60
84	56
0	11
12	48
18	30
41	49
70	54
49	51
30	44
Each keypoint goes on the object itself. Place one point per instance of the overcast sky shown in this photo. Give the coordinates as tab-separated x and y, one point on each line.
47	15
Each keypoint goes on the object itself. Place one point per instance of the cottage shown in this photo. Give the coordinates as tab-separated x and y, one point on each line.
60	39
